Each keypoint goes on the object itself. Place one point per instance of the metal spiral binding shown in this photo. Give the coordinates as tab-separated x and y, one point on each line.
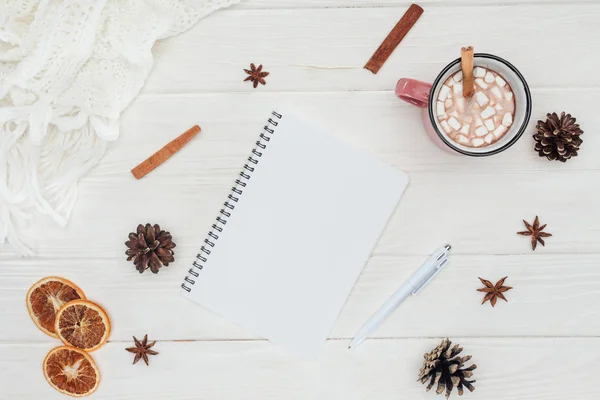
236	191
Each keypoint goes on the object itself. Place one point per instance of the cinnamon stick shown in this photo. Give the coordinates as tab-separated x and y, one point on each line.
394	38
466	63
165	153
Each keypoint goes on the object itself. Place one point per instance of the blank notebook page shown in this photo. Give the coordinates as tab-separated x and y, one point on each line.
299	236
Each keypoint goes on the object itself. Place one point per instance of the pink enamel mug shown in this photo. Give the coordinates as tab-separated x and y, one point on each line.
424	95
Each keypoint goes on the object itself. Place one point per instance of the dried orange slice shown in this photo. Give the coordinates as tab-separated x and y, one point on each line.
82	324
46	297
71	371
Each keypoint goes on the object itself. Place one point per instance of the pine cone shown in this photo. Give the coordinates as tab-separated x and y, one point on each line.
558	137
444	368
150	247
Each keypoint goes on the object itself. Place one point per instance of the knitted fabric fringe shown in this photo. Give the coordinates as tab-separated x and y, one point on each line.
68	68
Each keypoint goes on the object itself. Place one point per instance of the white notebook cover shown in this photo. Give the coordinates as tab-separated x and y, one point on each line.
298	237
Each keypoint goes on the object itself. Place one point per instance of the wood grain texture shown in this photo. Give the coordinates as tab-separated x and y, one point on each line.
516	369
449	306
434	210
295	4
325	49
542	345
185	193
376	122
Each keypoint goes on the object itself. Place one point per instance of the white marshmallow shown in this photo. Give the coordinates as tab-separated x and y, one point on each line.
448	103
488	112
453	114
496	92
481	131
478	121
501	82
457	88
453	122
479	72
479	82
489	77
441	111
499	131
507	120
465	129
462	139
446	127
457	76
444	92
481	99
498	107
459	104
489	123
508	95
476	142
489	138
467	118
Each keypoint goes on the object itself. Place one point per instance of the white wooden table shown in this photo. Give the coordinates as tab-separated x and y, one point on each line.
543	344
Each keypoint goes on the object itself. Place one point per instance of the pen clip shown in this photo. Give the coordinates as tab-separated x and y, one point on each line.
428	279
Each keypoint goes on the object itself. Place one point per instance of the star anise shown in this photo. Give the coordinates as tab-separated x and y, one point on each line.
494	291
142	349
535	232
256	75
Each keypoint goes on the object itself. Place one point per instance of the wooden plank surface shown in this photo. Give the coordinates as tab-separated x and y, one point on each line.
424	219
186	192
542	345
450	306
326	49
516	369
376	122
295	4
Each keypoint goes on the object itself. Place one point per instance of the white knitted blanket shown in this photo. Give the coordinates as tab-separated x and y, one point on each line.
67	70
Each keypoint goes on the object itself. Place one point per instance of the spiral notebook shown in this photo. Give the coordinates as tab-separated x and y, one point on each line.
294	234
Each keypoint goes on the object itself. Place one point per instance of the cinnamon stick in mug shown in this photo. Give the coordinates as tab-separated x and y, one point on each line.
466	62
165	153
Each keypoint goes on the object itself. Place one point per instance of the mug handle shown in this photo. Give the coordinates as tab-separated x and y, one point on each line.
413	91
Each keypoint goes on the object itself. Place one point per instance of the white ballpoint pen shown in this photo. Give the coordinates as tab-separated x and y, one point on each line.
417	281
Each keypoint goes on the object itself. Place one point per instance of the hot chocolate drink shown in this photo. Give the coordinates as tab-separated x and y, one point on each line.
481	120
